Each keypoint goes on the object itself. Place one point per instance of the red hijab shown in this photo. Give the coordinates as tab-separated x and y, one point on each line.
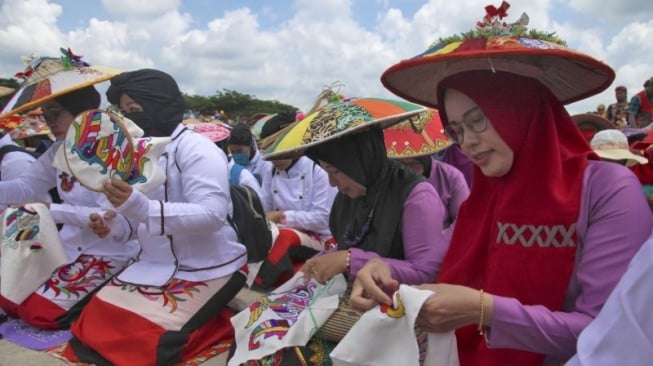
515	235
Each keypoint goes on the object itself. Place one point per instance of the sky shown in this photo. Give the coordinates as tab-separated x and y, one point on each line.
290	50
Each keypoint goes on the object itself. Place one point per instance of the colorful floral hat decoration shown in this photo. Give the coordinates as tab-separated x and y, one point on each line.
498	45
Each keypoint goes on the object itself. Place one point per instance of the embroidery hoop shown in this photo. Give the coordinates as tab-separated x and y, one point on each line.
91	170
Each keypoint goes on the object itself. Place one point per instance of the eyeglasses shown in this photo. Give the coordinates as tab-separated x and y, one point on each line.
474	121
52	114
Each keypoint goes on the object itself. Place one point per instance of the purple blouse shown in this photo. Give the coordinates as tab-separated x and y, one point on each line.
613	223
424	244
451	186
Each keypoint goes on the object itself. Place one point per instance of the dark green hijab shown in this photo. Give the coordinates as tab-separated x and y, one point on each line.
373	221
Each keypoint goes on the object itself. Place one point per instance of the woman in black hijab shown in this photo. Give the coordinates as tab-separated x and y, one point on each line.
375	213
171	303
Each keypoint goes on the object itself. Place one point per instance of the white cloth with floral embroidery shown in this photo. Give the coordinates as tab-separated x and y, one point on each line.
84	156
287	317
385	335
31	250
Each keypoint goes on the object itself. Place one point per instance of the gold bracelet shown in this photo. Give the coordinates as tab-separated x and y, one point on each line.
482	319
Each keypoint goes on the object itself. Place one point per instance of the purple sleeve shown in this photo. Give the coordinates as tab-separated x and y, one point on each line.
424	244
613	223
450	184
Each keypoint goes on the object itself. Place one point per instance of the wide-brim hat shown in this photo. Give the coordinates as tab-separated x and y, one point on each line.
404	141
5	90
216	132
494	45
590	123
46	78
29	126
612	144
341	118
621	154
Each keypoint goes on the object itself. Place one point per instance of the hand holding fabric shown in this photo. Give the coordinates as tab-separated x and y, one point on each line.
372	284
452	307
326	266
116	191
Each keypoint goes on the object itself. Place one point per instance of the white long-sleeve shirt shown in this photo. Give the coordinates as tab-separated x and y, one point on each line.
185	235
78	204
303	193
14	164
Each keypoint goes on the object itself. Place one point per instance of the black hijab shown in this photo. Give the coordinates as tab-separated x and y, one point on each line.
158	94
80	100
371	222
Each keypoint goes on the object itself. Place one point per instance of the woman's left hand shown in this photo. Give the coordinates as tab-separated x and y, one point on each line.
324	267
116	191
452	307
275	216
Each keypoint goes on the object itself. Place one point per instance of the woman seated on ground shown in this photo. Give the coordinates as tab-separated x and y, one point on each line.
544	217
91	260
377	213
171	303
296	192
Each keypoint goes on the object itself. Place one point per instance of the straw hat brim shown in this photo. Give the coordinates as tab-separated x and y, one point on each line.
592	122
621	154
300	150
4	91
29	94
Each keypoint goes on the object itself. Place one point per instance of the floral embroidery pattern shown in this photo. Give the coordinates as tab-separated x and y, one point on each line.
81	277
287	306
174	292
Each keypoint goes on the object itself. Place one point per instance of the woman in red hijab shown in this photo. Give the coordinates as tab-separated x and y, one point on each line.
548	229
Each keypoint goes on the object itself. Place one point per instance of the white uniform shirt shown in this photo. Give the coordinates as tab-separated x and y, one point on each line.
303	193
14	164
79	203
202	244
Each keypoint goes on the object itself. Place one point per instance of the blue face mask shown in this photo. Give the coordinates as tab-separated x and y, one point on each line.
241	158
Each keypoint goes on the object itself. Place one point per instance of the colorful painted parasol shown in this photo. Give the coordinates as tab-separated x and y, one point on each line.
340	118
404	141
46	78
216	132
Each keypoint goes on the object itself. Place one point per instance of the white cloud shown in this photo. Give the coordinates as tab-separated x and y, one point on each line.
139	9
318	43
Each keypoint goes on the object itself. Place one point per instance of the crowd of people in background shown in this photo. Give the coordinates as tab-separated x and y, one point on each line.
636	112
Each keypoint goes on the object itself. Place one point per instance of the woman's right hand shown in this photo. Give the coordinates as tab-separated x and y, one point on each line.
372	284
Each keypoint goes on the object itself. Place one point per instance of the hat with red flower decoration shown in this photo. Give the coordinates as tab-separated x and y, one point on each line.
499	46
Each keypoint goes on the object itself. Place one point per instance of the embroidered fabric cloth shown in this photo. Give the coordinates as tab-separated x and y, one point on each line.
389	334
98	147
288	317
31	250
